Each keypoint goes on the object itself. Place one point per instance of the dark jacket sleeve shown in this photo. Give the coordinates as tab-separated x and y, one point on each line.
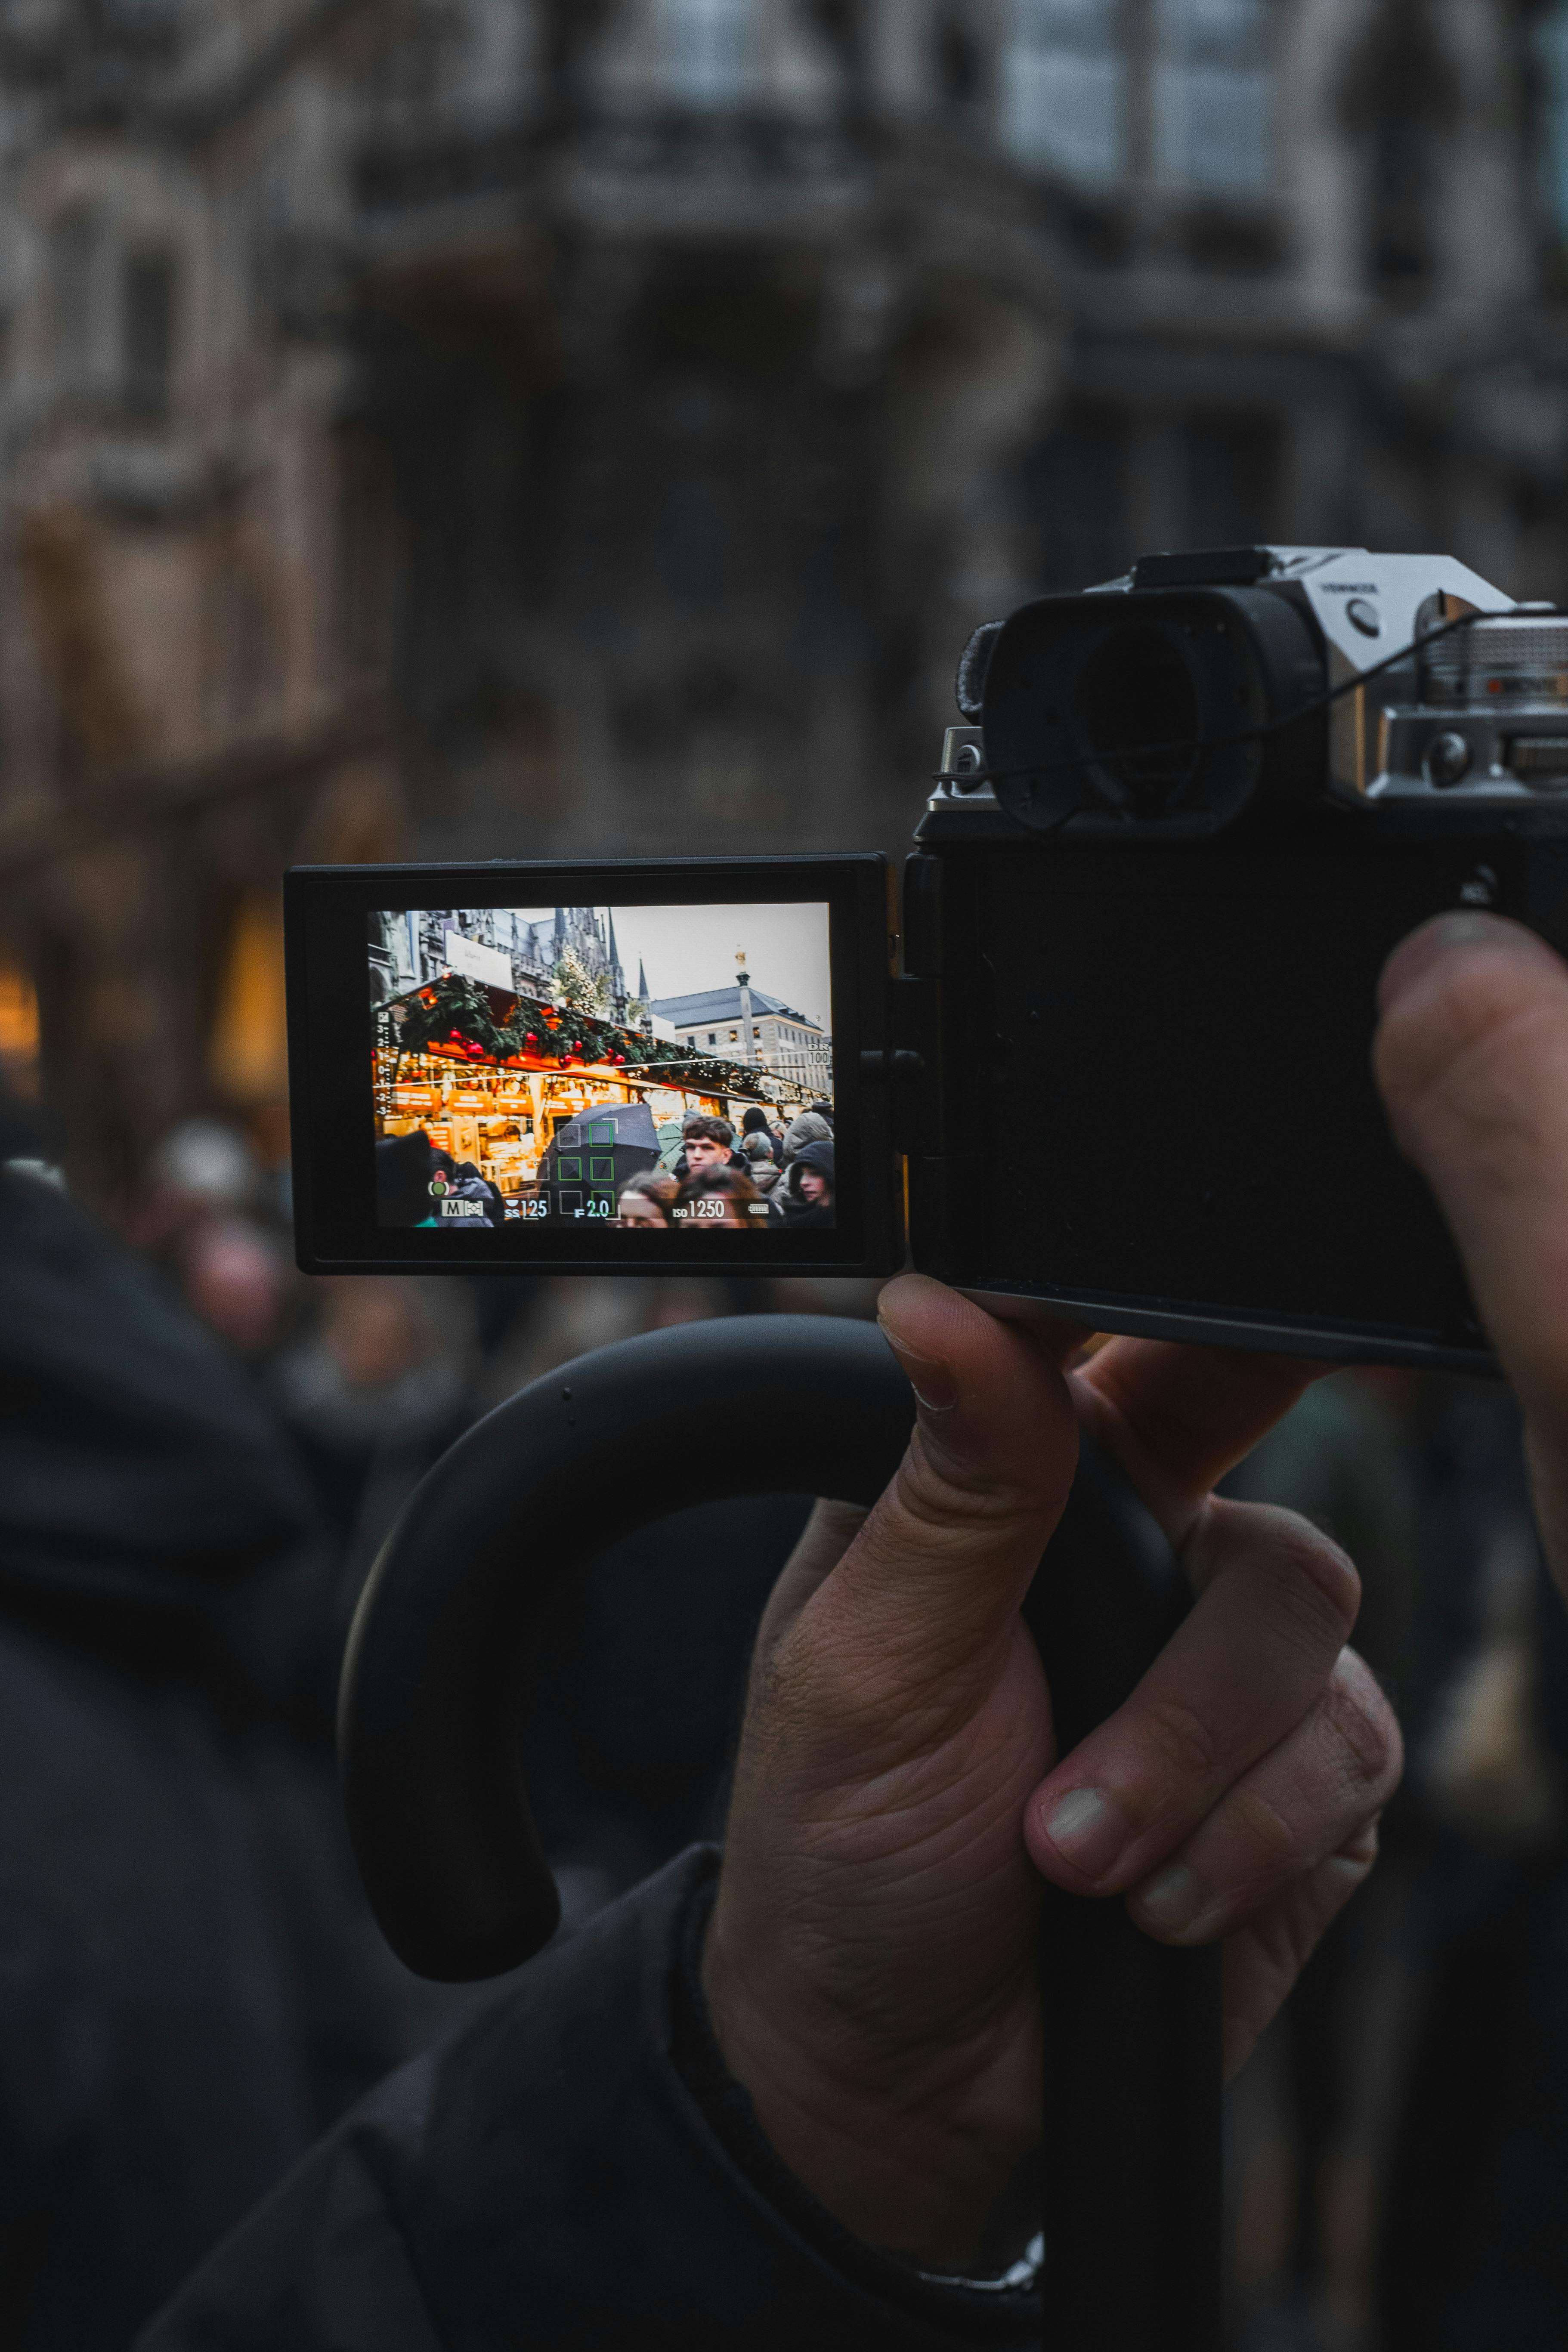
573	2171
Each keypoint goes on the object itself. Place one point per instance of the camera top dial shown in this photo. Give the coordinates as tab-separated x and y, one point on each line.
1491	715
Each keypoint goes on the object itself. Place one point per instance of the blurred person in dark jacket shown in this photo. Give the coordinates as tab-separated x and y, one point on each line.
373	1391
189	1988
209	1216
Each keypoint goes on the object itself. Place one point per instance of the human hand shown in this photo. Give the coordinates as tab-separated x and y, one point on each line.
1471	1056
871	1966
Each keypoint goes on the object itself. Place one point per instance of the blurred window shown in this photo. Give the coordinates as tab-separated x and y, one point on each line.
1063	88
1235	475
1550	47
1067	100
243	623
419	68
1407	97
959	57
1076	494
1213	98
149	294
710	51
75	241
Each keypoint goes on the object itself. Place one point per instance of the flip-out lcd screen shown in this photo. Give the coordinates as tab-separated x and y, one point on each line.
654	1069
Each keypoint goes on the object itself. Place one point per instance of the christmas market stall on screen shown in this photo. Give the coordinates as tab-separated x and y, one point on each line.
547	1053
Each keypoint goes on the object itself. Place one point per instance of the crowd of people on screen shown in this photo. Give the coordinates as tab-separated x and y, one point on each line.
767	1175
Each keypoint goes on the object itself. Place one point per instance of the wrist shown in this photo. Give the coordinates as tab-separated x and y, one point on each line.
926	2154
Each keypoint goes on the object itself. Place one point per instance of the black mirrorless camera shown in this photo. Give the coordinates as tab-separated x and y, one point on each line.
1110	1060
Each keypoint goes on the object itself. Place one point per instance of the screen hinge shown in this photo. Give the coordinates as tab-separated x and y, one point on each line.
909	1065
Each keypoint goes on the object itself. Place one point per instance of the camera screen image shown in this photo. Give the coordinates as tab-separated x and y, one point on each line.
652	1069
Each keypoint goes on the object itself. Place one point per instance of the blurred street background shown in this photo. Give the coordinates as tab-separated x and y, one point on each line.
439	428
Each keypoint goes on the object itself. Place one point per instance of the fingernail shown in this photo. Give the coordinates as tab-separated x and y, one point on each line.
1173	1900
1089	1829
933	1383
1416	955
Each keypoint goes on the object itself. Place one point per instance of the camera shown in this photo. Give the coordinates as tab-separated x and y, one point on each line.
1104	1058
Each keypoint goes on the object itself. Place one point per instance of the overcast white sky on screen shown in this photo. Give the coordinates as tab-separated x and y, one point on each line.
690	948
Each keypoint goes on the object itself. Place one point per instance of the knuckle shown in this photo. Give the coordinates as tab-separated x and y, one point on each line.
944	1498
1364	1727
1314	1586
1267	1837
1359	1849
1179	1737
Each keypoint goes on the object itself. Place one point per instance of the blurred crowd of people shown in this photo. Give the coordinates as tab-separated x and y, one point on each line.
1398	2172
207	1449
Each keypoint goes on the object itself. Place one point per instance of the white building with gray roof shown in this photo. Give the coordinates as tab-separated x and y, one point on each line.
784	1040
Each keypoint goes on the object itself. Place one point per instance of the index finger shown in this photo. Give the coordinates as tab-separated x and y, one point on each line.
1237	1677
1471	1056
1177	1418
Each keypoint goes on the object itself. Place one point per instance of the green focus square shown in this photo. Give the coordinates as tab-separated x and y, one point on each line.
601	1172
569	1172
602	1131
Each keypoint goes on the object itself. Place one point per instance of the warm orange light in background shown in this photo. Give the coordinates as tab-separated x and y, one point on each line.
247	1058
19	1031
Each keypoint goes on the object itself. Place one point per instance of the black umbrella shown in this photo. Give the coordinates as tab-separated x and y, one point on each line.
588	1160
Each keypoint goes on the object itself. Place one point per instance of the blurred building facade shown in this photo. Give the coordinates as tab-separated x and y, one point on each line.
537	427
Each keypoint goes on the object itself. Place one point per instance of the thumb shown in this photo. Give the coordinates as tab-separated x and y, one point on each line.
1471	1058
920	1612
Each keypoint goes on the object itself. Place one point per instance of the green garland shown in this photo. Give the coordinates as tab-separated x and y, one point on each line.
456	1007
447	1004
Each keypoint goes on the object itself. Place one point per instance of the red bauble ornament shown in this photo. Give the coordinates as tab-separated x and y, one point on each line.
530	1039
